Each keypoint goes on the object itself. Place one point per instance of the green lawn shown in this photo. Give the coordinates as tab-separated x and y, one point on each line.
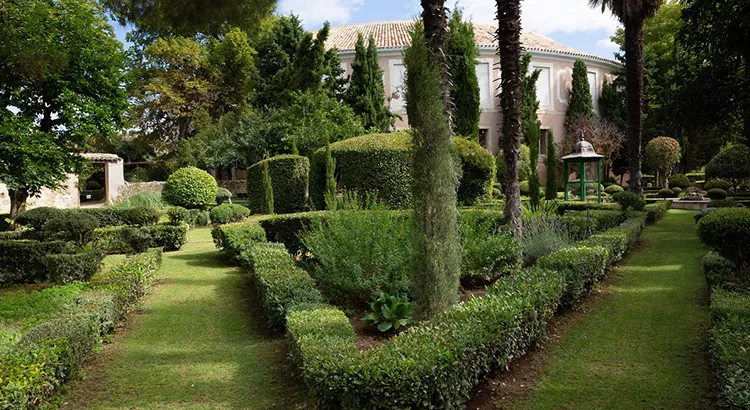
198	344
644	345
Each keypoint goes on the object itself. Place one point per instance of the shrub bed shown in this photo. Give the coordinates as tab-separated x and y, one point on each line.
289	180
436	364
565	206
656	211
730	336
727	231
580	225
66	268
110	216
35	362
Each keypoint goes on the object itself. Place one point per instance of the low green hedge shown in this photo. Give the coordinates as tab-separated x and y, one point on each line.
727	231
109	216
66	268
565	206
228	213
721	272
35	362
437	363
117	239
22	261
579	225
282	285
234	239
286	228
289	179
656	211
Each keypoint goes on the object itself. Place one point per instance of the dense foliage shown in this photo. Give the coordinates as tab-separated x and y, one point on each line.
580	104
477	171
662	153
190	187
228	213
727	231
462	52
531	125
288	176
365	93
731	164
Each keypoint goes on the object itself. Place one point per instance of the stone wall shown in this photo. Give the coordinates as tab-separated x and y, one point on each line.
235	186
65	197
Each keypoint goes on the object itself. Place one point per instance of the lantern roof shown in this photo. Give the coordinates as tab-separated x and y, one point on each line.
583	150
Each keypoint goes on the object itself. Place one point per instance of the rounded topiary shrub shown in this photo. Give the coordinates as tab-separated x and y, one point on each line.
289	176
666	193
731	164
613	189
178	215
627	199
375	162
716	193
37	217
679	181
227	213
523	186
74	226
727	231
190	187
478	174
717	184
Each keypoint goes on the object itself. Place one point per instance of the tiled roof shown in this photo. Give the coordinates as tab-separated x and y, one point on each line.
395	35
101	157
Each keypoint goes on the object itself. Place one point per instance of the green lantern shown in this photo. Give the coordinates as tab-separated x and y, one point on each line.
583	153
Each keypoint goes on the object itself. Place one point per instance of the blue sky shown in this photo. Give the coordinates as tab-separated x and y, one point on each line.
570	22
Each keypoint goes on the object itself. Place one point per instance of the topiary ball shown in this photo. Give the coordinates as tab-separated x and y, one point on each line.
613	189
190	188
678	181
716	193
677	191
227	213
727	231
37	217
717	184
523	186
627	200
666	193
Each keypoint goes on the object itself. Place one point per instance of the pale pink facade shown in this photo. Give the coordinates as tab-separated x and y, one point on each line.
554	60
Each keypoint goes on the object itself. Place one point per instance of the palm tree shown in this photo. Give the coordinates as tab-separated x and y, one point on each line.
435	20
509	50
632	14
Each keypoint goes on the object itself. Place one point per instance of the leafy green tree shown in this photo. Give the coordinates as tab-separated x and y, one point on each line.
551	163
633	14
462	53
612	104
365	93
61	70
509	50
165	18
662	153
531	125
437	270
580	104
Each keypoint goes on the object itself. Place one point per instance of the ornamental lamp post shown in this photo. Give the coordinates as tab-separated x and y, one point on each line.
583	153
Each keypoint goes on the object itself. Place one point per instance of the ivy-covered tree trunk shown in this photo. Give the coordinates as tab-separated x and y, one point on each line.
509	50
634	57
437	269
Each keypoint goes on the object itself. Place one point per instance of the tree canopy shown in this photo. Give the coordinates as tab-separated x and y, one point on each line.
462	52
366	93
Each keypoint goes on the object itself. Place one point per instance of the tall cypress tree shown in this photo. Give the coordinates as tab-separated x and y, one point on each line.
551	164
267	189
330	193
461	48
365	94
531	125
580	103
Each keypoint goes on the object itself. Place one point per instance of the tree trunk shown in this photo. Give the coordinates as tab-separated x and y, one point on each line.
634	66
746	106
509	50
435	18
17	201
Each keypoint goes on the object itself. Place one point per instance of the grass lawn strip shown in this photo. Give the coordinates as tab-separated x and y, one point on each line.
643	346
196	345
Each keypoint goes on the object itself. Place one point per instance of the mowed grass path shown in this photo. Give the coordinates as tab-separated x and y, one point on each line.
644	345
198	344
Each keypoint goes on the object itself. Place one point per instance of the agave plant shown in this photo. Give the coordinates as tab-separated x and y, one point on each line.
389	312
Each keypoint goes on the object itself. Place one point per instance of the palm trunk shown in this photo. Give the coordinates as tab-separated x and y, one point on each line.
17	201
435	20
634	57
509	50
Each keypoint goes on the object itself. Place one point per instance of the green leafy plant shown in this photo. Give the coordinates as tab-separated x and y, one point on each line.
717	183
666	193
190	187
223	194
227	213
716	193
74	226
389	312
178	214
679	181
613	189
627	200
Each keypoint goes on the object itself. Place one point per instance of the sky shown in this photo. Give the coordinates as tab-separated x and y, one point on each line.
569	22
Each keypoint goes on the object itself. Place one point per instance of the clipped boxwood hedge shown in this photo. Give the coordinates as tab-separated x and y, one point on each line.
727	231
22	261
66	268
375	162
234	239
228	213
478	166
289	179
119	239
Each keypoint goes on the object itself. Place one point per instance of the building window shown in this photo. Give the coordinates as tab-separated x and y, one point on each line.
543	138
483	137
593	87
544	87
484	77
397	76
